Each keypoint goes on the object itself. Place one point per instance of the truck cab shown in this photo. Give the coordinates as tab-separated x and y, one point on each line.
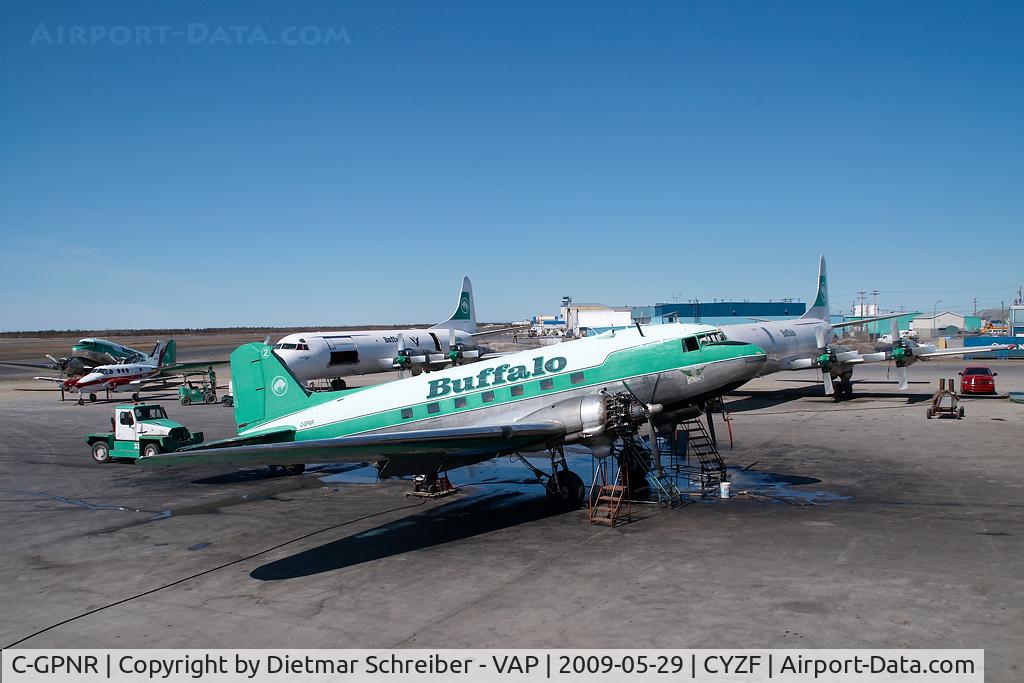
140	430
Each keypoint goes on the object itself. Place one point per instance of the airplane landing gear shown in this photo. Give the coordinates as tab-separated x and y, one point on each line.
337	384
563	487
92	398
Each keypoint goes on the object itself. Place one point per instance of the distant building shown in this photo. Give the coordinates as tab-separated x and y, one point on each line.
885	326
596	318
1015	321
945	324
718	312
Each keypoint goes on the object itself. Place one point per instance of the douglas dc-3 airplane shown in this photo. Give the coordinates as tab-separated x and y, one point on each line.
333	355
128	376
86	354
594	391
807	343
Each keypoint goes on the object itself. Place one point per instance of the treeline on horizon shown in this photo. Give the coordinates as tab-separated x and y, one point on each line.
145	332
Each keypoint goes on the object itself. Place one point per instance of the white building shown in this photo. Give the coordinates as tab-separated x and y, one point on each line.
929	327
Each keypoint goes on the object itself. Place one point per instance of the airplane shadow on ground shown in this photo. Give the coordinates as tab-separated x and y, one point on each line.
740	401
461	519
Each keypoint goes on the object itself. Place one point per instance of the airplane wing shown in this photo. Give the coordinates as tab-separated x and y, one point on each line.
58	380
43	366
487	333
863	321
178	368
427	445
961	350
758	320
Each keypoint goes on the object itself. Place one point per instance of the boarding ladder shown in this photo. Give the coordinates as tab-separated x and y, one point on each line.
710	467
608	501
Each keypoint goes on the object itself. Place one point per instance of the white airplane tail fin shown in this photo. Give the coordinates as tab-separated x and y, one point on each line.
819	311
164	353
464	317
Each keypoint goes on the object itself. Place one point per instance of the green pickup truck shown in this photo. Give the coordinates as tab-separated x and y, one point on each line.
140	430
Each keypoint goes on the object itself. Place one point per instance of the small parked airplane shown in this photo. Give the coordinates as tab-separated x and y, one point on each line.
128	376
333	355
86	354
596	391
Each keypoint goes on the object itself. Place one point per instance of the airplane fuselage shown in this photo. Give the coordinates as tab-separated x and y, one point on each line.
327	355
673	365
111	378
784	341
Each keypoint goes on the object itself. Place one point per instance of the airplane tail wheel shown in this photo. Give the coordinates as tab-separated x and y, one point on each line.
568	492
100	452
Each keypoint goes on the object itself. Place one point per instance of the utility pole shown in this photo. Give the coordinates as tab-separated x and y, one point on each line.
874	293
975	305
861	296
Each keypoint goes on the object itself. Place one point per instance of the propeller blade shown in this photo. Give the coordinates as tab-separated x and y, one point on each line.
874	357
471	354
901	374
418	359
826	377
655	448
451	339
894	329
821	337
846	356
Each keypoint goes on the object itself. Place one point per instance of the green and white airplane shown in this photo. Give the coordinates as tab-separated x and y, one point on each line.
591	391
86	354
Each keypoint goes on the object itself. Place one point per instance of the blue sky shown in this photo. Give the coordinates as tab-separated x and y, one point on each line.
617	152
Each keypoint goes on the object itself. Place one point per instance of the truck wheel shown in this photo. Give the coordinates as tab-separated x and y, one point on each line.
150	449
101	452
186	401
211	398
928	413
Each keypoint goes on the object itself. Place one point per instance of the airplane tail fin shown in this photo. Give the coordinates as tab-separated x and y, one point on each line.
819	311
264	388
165	353
464	317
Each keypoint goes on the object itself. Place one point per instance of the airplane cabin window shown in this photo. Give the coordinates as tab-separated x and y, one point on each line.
576	377
460	402
406	413
547	384
433	408
517	390
487	396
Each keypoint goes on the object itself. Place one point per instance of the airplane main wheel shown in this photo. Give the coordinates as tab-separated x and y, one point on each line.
294	469
101	452
92	398
337	384
135	396
568	492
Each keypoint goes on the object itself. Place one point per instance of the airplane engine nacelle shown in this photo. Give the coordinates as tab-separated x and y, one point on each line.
582	417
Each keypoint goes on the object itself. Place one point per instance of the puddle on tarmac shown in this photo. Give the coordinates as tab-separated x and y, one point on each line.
506	475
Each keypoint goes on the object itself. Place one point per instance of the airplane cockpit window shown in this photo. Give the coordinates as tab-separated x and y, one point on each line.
691	344
715	337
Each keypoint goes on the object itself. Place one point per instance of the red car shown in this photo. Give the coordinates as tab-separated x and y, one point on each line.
977	380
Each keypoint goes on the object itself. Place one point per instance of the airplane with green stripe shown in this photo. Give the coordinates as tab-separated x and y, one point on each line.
530	401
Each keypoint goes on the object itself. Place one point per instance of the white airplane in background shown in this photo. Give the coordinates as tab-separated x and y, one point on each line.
333	355
807	343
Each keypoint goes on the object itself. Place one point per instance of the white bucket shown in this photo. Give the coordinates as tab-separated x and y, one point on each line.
723	489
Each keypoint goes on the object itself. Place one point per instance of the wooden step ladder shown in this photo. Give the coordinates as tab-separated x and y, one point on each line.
609	502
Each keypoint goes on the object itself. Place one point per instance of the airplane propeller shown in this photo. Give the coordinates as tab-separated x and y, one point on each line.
902	354
825	360
457	354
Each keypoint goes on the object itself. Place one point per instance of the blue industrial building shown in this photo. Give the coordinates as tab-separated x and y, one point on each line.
718	312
